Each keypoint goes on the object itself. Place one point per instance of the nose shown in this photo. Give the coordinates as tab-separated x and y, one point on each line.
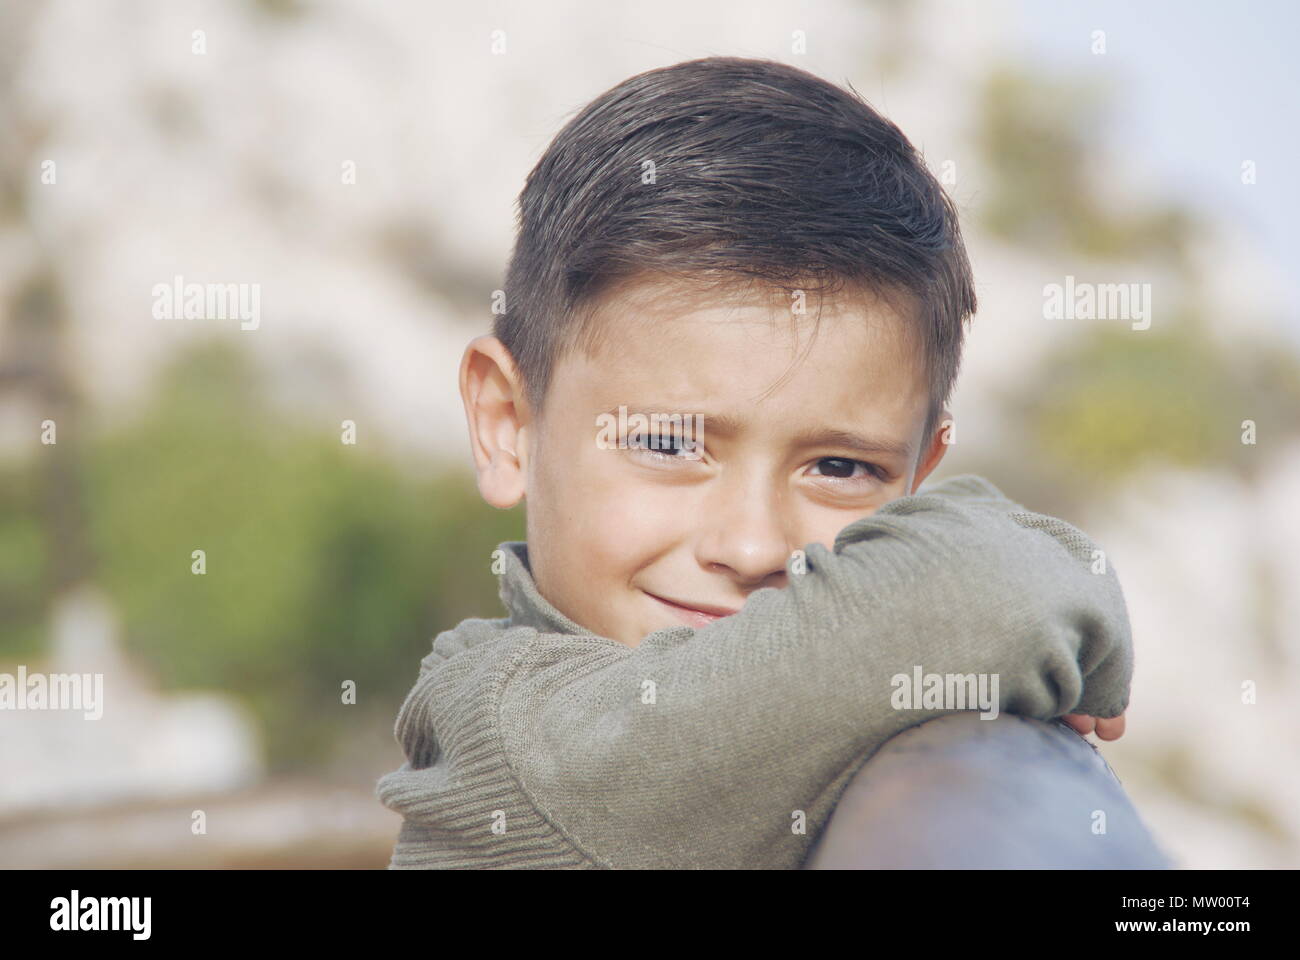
746	531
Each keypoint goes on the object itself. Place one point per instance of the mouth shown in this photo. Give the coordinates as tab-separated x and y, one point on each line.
694	615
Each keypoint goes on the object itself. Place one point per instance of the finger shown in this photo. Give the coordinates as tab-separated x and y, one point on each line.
1111	728
1081	722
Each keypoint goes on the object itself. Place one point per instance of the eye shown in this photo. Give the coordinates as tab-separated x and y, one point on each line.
842	468
663	446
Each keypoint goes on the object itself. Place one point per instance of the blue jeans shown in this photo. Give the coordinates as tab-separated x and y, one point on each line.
963	792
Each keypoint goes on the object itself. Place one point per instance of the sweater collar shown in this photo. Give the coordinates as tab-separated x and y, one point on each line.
524	602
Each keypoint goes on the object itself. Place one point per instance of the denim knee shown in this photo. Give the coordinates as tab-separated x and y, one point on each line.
966	791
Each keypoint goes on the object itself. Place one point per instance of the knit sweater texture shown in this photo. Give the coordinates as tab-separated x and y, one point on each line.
531	742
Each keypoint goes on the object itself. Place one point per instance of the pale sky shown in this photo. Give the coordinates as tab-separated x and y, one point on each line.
1211	84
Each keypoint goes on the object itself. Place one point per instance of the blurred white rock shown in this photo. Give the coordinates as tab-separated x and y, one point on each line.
147	745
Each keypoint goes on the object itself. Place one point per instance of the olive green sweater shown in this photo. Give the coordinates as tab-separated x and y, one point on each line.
531	742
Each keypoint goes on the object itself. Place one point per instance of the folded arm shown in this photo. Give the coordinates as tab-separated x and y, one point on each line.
728	745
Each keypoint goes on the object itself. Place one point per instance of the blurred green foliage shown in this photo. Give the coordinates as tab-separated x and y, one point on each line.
325	562
1112	400
24	558
1040	138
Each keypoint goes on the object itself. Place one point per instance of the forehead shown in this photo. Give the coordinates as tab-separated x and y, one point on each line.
742	349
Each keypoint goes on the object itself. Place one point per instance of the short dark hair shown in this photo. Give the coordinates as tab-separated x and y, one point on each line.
761	171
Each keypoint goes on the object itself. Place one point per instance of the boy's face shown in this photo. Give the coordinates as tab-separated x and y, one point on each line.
799	439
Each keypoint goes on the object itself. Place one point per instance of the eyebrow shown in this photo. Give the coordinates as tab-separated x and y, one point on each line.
729	426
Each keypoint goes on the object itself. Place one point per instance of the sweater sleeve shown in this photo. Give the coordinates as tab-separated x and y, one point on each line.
728	745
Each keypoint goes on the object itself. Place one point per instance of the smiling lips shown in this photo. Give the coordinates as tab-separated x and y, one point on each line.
695	615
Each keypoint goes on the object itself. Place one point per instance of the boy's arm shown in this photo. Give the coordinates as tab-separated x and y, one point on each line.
720	745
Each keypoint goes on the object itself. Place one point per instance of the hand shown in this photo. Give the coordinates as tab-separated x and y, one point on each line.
1107	728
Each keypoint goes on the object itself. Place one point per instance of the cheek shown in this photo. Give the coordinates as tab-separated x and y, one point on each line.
822	525
620	529
604	525
898	488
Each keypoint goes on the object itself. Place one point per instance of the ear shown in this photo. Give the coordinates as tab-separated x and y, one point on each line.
498	417
935	451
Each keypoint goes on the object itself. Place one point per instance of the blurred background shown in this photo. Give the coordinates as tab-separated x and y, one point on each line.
359	162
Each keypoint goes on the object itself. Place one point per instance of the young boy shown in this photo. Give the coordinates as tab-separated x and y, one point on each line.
733	317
